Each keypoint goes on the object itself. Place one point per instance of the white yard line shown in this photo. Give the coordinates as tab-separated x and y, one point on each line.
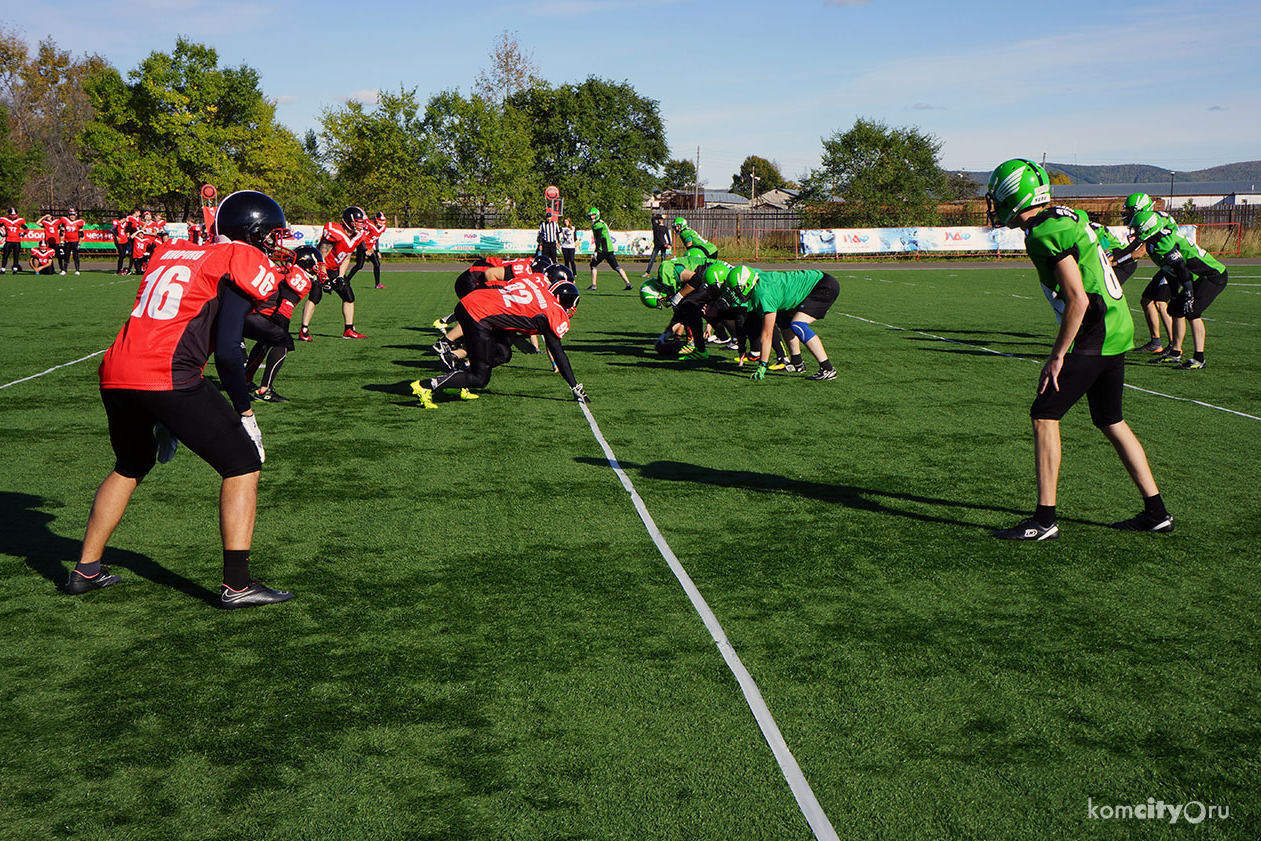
801	790
54	368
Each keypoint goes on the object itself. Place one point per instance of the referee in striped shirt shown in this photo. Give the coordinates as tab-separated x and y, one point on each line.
549	233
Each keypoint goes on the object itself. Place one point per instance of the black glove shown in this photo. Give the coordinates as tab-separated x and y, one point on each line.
580	394
1188	306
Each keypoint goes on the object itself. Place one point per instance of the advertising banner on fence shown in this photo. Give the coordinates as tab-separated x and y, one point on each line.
456	241
846	241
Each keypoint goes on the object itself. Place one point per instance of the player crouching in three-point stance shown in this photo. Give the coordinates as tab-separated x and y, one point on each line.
193	299
534	304
1088	357
794	300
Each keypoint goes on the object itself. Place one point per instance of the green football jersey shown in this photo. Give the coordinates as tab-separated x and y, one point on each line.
782	291
695	243
1059	233
1169	249
601	236
1106	238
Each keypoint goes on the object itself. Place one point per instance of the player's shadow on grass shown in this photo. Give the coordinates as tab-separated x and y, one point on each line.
860	499
27	535
946	331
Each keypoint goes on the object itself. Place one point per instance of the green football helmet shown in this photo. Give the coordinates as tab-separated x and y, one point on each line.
741	280
716	273
1015	186
1135	202
679	223
1146	224
651	293
593	213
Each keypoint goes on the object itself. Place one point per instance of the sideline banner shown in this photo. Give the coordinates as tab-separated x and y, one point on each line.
845	241
472	241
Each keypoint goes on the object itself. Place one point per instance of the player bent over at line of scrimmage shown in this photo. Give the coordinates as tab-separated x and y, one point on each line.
1088	357
152	374
535	304
795	299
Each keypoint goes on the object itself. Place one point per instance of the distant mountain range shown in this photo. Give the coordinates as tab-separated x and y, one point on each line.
1147	174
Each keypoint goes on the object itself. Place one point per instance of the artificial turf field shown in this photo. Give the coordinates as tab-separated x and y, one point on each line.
486	643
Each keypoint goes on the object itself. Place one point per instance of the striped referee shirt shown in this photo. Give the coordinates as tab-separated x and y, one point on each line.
549	231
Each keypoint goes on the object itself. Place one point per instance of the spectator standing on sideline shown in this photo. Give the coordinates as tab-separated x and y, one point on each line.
569	244
13	225
72	234
662	242
549	235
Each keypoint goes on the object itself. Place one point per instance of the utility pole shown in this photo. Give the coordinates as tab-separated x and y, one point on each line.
696	185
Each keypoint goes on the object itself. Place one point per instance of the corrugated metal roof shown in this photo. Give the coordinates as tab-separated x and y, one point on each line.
1157	189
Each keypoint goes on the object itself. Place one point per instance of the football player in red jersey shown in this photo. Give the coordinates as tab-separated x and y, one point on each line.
195	230
51	237
536	304
269	321
122	241
193	300
13	225
71	227
373	230
42	257
342	240
485	271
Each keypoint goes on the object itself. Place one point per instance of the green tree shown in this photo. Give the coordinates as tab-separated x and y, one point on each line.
180	121
677	174
480	157
379	155
884	177
767	173
600	142
512	69
16	164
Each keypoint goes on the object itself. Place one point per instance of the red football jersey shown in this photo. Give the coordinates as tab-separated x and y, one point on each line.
343	242
166	342
73	228
13	227
140	244
371	233
515	305
296	280
121	232
42	257
50	231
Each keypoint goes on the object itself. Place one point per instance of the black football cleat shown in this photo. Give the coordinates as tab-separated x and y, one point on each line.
254	595
78	584
1147	522
1029	529
269	396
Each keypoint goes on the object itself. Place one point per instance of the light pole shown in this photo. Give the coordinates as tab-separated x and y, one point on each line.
1169	209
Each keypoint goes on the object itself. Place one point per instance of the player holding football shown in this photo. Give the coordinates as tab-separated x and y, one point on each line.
341	240
536	304
1088	357
194	299
1197	275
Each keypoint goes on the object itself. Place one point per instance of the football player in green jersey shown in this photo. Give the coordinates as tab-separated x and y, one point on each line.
1195	276
603	243
1088	357
694	244
795	300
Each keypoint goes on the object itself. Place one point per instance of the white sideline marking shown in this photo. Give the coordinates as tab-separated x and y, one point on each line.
1027	359
801	790
54	368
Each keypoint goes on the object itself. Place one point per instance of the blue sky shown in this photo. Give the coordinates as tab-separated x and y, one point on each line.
1173	84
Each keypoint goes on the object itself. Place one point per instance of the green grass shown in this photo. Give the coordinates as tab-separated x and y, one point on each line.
485	643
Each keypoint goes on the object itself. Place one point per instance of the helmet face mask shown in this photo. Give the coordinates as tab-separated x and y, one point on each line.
309	259
353	218
566	294
1015	186
593	214
741	280
1145	224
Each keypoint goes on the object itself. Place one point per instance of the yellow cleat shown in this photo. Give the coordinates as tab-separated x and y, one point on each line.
776	366
424	395
465	394
441	325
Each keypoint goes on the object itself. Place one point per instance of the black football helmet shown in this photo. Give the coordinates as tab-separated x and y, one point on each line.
354	218
252	217
309	259
562	287
540	263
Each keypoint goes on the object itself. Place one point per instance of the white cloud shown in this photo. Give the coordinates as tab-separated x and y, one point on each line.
285	100
366	97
